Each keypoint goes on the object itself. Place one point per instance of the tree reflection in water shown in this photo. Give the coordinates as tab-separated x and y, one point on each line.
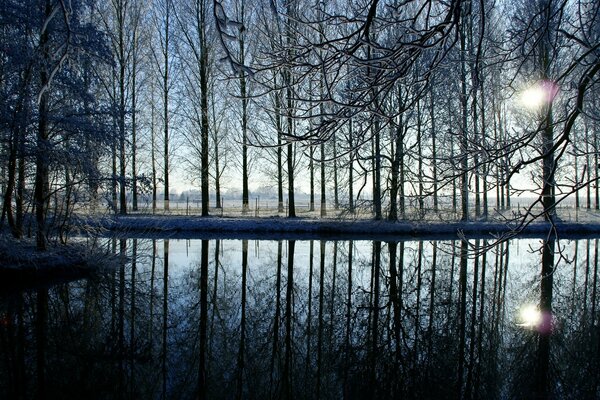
311	320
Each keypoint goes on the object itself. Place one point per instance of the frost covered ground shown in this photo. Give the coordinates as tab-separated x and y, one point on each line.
274	227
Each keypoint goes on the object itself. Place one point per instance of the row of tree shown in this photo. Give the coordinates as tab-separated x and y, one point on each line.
418	104
310	320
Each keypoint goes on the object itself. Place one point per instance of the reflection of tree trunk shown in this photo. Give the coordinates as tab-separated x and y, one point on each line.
121	315
431	312
277	316
462	316
416	351
586	281
481	313
41	338
574	283
132	318
542	382
594	283
152	270
348	360
375	317
286	389
394	296
202	392
240	366
215	287
505	274
450	298
165	317
495	316
320	319
469	383
307	370
113	294
396	325
20	351
332	304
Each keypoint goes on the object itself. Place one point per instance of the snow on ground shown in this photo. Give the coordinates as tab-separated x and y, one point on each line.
276	226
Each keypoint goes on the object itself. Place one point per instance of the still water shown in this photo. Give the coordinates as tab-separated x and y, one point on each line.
312	319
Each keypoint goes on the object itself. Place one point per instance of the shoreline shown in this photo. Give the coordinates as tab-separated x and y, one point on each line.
298	228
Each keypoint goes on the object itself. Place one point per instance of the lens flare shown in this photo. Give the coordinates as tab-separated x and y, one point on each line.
538	95
533	97
530	316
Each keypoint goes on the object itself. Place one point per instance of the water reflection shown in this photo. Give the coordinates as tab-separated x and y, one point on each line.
312	320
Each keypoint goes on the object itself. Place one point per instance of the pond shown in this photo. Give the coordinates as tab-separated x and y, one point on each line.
312	319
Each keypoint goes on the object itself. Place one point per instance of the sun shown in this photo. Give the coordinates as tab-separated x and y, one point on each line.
533	98
530	316
538	95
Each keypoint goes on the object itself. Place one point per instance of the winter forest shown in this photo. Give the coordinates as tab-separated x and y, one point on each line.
311	199
396	108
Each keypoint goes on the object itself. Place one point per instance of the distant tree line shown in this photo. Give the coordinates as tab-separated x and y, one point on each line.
417	105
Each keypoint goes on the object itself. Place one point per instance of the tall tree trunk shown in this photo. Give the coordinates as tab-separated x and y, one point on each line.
153	154
290	12
201	23
20	195
216	143
279	127
548	179
165	88
464	141
377	170
396	160
432	111
311	167
323	194
350	169
134	180
336	186
420	173
244	98
122	64
40	194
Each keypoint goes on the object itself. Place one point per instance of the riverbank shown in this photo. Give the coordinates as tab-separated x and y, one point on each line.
275	227
21	265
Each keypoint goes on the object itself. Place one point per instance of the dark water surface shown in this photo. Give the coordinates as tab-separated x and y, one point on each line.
311	319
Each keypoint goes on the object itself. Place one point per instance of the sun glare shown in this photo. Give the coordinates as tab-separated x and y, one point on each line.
533	98
530	316
538	95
